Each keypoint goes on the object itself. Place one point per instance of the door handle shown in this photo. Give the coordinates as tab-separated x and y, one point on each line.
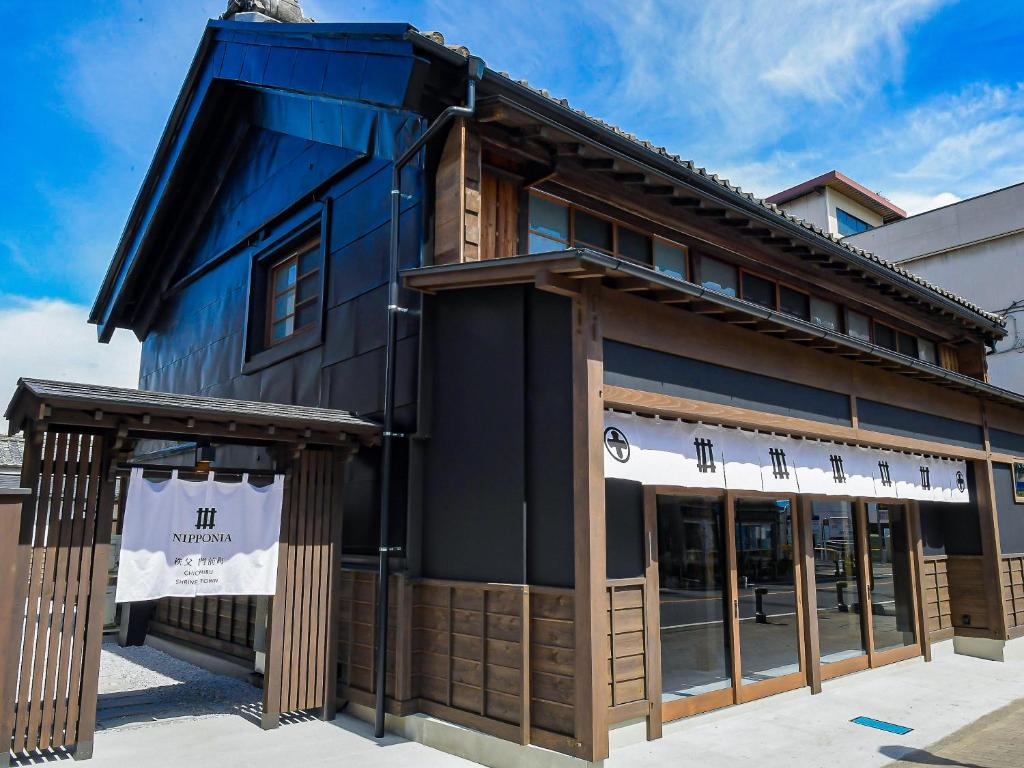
736	608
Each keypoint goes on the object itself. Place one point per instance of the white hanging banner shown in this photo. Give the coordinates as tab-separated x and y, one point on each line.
668	452
189	539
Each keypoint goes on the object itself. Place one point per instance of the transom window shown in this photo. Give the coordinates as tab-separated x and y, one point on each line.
555	226
293	293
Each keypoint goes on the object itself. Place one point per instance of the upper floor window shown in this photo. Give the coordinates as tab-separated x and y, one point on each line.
850	224
554	226
718	276
293	293
826	314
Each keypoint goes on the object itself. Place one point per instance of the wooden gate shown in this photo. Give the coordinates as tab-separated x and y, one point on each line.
50	650
302	656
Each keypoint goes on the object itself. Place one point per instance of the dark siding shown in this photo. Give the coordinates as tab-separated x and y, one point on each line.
500	442
549	492
624	527
296	144
1011	514
902	421
1006	442
635	367
473	499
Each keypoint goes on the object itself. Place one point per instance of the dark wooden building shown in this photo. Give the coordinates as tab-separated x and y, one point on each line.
556	270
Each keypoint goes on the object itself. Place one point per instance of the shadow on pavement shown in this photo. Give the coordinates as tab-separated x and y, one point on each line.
923	757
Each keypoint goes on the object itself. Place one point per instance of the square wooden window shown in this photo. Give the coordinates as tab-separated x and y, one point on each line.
885	337
757	290
293	293
906	344
794	302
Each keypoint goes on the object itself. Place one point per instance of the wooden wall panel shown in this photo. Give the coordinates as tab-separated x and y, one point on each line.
1013	593
935	588
499	658
627	643
966	582
302	651
63	548
457	220
499	217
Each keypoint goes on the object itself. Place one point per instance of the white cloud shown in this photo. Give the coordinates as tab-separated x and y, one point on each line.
756	71
49	338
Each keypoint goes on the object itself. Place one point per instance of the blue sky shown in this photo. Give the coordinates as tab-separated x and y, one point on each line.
921	100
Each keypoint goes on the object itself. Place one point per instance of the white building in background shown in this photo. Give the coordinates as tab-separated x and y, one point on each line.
975	248
837	204
12	450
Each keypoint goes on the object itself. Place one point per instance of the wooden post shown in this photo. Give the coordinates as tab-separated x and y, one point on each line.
17	587
809	595
917	561
591	642
991	550
524	668
652	614
13	581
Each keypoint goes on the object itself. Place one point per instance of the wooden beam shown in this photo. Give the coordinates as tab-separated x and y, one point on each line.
553	283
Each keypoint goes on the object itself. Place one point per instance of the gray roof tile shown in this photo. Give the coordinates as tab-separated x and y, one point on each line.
438	38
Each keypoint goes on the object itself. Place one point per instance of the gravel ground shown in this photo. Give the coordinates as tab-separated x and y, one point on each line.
142	685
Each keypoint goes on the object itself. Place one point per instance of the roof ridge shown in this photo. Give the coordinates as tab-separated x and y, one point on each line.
439	39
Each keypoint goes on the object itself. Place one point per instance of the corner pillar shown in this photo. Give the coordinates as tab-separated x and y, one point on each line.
589	526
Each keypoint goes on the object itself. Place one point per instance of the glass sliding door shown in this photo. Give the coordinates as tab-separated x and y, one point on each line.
891	579
842	637
767	594
696	661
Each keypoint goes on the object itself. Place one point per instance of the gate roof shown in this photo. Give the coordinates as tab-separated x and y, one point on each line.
139	413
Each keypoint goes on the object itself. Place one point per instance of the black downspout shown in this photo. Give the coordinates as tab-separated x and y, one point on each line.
475	73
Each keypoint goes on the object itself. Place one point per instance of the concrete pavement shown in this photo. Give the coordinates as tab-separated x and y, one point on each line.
937	700
797	729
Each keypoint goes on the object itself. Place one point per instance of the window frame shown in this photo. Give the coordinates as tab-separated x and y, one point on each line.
616	224
778	293
272	296
844	212
742	293
301	233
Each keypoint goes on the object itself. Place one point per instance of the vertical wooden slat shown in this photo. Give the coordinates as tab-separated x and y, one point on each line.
652	614
96	608
78	642
31	704
300	664
314	658
809	596
68	571
288	586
